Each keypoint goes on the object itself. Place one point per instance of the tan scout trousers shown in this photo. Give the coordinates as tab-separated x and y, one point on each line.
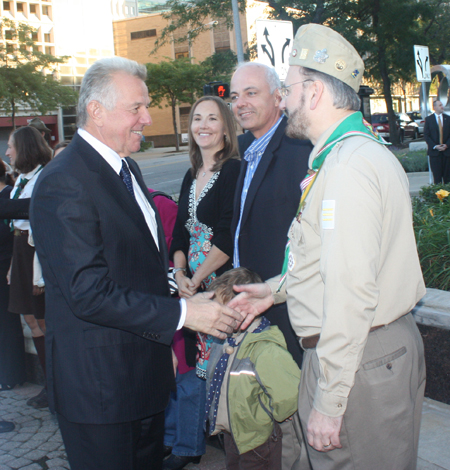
382	422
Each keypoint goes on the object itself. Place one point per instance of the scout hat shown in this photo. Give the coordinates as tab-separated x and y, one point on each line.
39	125
320	48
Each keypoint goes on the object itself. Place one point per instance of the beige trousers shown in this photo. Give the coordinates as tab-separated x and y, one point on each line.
382	422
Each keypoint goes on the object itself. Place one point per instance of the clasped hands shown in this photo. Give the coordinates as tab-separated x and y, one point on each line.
210	317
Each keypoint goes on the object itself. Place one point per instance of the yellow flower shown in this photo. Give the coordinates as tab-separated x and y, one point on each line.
441	194
431	212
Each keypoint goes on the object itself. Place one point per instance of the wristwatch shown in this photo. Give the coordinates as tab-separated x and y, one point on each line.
175	270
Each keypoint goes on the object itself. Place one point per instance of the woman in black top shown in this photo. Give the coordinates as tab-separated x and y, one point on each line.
202	248
12	352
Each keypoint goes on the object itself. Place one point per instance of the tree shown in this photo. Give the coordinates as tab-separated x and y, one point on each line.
26	74
383	31
174	82
220	66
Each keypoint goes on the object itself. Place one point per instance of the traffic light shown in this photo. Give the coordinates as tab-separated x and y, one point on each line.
217	89
222	90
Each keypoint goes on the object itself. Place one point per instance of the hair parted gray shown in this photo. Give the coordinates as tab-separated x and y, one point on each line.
344	97
272	77
98	83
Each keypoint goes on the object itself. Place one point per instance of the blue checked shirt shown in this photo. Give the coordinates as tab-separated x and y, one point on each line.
253	156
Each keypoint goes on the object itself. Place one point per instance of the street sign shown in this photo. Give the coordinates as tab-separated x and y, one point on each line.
274	40
422	60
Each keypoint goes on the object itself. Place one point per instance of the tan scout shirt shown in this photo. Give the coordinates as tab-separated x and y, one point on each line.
355	262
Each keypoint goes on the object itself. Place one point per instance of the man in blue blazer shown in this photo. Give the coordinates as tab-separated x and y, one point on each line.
267	196
437	137
268	189
110	320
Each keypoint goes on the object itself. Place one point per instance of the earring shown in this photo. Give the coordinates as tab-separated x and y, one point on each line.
225	137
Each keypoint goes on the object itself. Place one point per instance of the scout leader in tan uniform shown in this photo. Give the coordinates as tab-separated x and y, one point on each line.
353	273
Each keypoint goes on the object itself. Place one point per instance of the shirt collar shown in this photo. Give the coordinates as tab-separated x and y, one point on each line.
28	175
258	146
112	157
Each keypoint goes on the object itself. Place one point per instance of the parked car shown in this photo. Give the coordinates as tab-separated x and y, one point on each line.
417	117
407	127
410	127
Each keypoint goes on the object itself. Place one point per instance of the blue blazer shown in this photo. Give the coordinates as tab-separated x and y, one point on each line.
110	321
270	206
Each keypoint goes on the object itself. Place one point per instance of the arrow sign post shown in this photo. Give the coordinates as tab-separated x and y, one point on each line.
274	42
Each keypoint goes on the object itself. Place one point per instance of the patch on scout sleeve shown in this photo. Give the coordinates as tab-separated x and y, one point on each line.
328	214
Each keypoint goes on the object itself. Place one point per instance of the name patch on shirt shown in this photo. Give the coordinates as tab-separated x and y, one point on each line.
328	213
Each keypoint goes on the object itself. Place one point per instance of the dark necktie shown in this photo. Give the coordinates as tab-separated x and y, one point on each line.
20	186
126	177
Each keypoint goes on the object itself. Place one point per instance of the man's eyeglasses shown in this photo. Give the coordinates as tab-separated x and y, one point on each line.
284	90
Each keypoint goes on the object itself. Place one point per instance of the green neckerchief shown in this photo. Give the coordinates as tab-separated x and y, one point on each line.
352	125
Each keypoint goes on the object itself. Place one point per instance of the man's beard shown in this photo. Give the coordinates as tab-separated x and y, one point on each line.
298	125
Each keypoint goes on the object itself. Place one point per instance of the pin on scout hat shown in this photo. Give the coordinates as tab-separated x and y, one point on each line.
321	48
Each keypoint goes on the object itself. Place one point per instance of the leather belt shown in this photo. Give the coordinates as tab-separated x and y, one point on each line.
18	232
310	342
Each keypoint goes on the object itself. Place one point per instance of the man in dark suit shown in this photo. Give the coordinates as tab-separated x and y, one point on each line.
437	137
110	320
267	193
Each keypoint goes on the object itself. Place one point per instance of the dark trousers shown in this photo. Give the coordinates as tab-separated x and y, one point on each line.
440	167
137	445
267	456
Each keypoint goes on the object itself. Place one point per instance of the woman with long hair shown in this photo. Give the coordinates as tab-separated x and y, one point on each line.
28	153
12	351
202	249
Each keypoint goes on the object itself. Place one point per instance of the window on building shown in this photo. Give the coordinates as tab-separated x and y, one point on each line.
7	6
47	37
19	7
143	34
33	8
180	55
34	36
45	10
8	34
222	49
49	50
9	48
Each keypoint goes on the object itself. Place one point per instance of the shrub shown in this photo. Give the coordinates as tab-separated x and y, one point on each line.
432	229
413	161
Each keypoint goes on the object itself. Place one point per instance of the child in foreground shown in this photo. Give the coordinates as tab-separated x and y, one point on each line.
252	385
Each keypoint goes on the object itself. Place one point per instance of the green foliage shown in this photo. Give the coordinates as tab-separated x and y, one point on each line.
173	82
220	66
432	230
413	161
26	75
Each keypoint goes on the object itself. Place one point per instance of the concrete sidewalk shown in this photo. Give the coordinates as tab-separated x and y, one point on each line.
36	443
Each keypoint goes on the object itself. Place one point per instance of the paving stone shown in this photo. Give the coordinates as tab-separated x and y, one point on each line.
33	466
19	452
23	419
22	437
57	463
49	446
19	463
5	458
4	467
35	454
8	446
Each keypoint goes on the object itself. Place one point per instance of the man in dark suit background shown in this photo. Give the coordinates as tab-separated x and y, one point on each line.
267	193
110	320
437	137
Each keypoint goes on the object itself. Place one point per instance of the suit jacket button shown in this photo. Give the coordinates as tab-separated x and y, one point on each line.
157	336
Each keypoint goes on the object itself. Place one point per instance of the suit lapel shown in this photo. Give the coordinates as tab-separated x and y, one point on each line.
116	189
263	166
